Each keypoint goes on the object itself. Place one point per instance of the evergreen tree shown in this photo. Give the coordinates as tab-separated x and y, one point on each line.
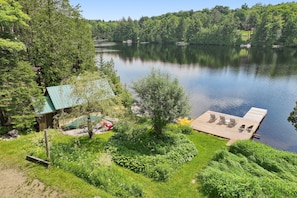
58	40
18	90
107	68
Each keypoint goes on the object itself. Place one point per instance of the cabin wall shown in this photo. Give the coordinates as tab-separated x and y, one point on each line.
45	121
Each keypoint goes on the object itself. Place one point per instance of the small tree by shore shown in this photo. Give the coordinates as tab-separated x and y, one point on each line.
162	98
293	116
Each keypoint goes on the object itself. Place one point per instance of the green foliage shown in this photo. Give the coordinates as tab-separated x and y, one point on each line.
270	24
250	169
293	116
18	89
185	129
179	128
58	40
162	98
3	130
154	156
121	127
107	68
25	94
97	169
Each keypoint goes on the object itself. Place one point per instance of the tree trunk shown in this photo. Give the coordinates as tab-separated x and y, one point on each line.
90	130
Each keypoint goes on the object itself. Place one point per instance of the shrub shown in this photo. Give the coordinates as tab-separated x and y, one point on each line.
185	129
161	172
4	130
121	126
155	156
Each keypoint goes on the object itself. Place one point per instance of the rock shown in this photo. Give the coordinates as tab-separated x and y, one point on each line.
13	133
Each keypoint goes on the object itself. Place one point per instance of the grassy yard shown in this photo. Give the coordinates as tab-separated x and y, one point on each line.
182	183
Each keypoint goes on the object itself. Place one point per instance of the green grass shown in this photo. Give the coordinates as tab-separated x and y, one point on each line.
180	184
249	168
13	154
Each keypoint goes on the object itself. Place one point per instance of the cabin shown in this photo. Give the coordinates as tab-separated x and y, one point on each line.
58	98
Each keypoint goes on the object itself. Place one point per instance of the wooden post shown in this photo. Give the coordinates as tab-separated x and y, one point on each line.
47	145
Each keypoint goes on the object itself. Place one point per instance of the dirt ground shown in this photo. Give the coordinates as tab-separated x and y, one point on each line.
14	184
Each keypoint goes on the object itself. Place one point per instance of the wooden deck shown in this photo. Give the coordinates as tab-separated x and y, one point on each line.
252	118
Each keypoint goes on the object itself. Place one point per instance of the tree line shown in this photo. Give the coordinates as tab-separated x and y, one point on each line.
260	25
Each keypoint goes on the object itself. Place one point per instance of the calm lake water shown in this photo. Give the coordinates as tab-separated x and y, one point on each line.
227	80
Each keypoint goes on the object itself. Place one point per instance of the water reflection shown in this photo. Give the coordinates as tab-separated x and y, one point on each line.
228	80
272	62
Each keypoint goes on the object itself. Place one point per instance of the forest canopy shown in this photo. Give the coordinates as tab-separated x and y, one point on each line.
260	25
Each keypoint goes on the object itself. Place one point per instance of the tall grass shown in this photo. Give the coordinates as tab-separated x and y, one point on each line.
86	159
250	169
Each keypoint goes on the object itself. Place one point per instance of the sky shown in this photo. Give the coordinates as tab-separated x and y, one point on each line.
135	9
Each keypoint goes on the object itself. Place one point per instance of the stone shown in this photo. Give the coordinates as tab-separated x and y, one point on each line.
13	133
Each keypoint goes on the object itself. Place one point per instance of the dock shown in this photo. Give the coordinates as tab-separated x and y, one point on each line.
244	127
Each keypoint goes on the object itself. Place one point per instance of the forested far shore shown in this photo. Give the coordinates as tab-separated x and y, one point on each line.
259	25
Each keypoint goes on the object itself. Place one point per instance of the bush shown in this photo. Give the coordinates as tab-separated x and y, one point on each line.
155	156
180	128
4	130
185	129
121	126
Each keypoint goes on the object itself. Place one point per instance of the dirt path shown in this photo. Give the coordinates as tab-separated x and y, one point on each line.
14	184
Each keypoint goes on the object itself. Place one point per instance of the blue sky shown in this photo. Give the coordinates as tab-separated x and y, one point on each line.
117	9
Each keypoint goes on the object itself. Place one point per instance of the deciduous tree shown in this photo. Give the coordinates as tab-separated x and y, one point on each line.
293	116
162	98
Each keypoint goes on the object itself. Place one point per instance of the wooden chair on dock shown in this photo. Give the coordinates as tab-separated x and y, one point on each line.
232	123
249	128
212	118
222	120
241	128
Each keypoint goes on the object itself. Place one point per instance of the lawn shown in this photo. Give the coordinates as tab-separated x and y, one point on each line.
182	183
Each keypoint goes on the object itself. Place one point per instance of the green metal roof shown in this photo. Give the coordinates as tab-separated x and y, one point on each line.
48	107
61	97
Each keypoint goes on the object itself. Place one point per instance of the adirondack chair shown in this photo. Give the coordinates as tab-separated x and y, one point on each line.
232	122
249	128
212	118
241	128
222	120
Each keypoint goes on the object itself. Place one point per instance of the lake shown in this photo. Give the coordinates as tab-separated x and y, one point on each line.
223	79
